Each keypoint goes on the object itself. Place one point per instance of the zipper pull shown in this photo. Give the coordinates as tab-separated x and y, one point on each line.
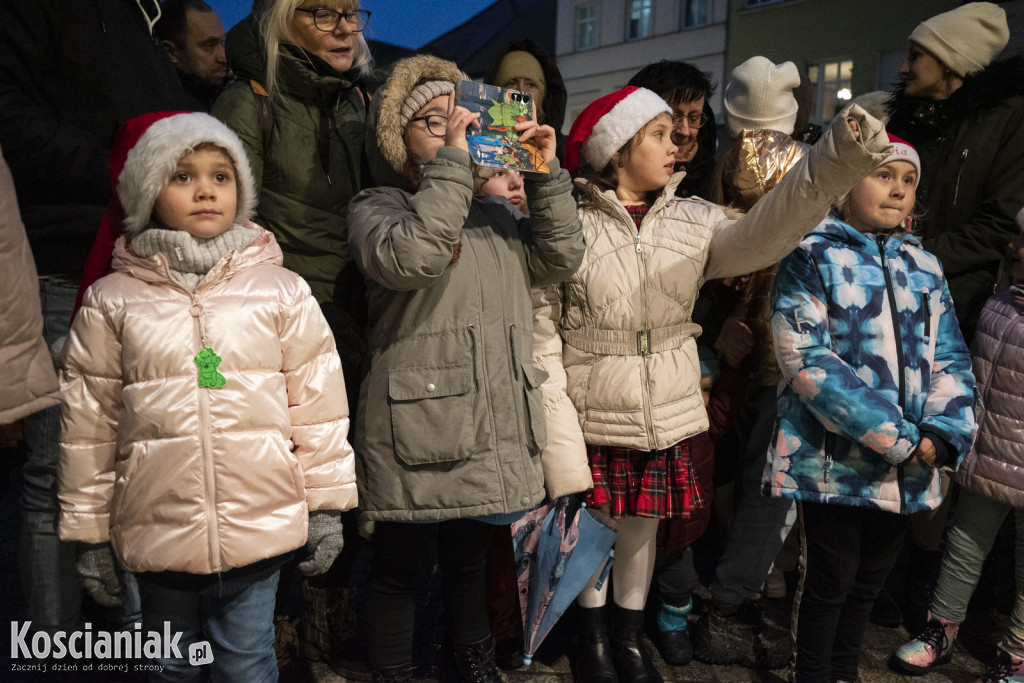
959	174
637	240
827	467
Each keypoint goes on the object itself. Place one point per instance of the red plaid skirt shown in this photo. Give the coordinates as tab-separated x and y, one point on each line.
659	484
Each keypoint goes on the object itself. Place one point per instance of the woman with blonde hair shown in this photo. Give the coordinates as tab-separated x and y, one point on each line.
299	107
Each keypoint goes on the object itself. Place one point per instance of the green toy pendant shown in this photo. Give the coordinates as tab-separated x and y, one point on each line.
208	360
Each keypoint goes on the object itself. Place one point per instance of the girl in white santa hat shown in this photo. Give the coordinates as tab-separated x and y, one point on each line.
619	344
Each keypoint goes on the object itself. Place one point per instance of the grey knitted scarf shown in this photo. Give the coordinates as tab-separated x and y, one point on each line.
190	258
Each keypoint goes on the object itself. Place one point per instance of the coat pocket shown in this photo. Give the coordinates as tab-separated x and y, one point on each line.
431	413
536	423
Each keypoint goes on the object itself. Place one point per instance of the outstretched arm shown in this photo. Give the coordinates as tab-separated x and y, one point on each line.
780	219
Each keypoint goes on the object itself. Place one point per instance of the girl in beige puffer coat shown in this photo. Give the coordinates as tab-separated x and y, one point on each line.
618	341
205	418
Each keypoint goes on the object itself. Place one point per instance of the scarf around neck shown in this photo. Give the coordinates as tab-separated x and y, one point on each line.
190	258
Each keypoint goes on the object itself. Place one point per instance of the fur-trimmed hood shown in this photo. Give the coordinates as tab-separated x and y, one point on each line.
999	81
385	137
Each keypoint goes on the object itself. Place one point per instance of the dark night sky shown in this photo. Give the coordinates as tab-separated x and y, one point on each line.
409	23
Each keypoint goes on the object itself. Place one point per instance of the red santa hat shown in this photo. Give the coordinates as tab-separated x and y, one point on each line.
904	151
141	163
608	123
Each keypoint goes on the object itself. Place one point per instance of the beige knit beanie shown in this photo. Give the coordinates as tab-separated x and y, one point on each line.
760	95
965	39
421	94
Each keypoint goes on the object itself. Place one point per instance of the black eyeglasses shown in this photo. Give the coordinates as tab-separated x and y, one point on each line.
327	20
696	120
436	124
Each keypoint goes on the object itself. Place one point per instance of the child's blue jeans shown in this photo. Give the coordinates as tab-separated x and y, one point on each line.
237	620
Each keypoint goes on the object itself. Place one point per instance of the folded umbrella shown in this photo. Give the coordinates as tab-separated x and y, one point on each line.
558	547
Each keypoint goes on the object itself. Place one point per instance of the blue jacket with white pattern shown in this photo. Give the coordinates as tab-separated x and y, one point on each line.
872	360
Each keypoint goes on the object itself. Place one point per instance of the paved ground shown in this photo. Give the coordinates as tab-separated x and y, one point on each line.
552	666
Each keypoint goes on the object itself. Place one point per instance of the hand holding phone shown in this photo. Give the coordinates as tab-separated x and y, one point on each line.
506	134
543	136
459	119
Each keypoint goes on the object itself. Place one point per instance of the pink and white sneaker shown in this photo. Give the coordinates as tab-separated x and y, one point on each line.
929	648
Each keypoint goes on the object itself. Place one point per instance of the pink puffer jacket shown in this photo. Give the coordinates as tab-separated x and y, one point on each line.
995	466
191	479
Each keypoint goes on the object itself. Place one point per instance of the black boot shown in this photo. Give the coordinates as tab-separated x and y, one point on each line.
402	673
594	663
475	662
631	655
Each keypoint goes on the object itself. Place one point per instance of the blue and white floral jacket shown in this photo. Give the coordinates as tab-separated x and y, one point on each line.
872	359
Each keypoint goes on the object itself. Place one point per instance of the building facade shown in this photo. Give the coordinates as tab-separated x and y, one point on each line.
600	44
845	49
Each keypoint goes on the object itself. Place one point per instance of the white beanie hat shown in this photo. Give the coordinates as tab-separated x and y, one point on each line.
760	95
608	123
151	162
965	39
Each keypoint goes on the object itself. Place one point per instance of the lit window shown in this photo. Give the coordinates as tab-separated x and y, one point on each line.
832	87
696	13
586	27
638	19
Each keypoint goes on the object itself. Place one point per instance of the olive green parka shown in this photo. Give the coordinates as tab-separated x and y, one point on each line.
311	166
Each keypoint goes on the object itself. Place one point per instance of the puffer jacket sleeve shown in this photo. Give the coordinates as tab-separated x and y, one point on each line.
557	247
28	382
236	107
91	382
827	386
949	408
405	242
780	219
318	405
564	459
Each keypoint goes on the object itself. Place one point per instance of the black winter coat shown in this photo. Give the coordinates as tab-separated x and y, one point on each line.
71	73
972	181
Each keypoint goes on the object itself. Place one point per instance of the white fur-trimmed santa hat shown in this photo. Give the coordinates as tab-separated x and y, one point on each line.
608	123
151	162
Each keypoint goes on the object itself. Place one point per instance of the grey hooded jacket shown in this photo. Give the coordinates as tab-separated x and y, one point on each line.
450	412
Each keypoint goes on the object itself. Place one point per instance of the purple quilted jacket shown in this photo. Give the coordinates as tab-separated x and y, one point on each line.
995	466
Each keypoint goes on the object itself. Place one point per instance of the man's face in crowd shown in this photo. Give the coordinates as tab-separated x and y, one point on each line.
685	123
202	56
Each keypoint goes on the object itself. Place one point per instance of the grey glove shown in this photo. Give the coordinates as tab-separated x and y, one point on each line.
324	541
97	572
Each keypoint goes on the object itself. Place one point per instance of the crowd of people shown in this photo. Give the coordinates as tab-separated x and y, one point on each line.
263	312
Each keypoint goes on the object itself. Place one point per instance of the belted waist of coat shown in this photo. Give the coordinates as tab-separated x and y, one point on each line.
631	342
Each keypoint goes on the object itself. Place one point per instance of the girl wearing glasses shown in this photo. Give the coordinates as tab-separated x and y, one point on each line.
299	108
451	418
624	346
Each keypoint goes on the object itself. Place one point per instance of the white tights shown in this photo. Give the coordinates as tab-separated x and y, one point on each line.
634	566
